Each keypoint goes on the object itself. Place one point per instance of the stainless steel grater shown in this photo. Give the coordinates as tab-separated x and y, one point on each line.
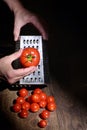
40	76
36	77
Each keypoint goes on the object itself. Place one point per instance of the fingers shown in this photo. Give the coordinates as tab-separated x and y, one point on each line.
25	71
40	25
16	33
20	73
15	55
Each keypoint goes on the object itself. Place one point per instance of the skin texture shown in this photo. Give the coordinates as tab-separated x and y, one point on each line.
21	17
13	75
24	16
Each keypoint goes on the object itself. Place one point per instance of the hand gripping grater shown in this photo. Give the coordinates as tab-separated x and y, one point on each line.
41	75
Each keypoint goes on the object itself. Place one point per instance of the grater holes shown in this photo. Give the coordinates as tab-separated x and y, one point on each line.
31	41
35	79
37	47
27	41
37	41
34	41
37	76
24	46
39	79
38	72
24	41
31	79
34	73
38	66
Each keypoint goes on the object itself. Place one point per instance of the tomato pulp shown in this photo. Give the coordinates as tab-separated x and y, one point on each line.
30	57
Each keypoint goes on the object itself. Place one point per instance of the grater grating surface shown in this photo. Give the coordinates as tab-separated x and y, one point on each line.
36	77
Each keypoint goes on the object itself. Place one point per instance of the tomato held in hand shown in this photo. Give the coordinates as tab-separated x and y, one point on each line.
30	57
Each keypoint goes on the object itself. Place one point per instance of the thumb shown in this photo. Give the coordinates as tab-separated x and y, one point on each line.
16	55
16	32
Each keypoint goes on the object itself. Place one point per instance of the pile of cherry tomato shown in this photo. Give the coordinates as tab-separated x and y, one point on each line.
32	102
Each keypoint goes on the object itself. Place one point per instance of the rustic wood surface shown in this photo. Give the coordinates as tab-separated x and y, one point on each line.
67	64
71	113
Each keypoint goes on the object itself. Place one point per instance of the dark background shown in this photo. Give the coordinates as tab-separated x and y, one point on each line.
67	49
67	26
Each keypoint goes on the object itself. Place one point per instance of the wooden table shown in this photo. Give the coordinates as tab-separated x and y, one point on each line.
68	78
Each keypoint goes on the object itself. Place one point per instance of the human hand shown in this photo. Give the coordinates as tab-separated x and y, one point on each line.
13	75
22	17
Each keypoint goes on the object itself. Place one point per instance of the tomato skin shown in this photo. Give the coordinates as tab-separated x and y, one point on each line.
30	57
35	98
23	92
42	123
34	107
42	103
43	96
50	99
20	100
16	107
45	114
51	106
25	106
23	114
37	90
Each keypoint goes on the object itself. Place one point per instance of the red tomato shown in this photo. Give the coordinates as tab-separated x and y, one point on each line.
34	107
43	96
37	90
16	107
30	57
25	106
50	99
23	92
20	100
28	99
51	106
24	113
42	103
45	114
35	98
42	123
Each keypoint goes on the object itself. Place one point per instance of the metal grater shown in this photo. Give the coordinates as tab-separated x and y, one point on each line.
36	77
40	76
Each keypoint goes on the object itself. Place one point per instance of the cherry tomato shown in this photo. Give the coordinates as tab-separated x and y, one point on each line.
34	107
42	123
42	103
30	57
45	114
24	113
23	92
25	106
35	98
50	99
28	99
37	90
16	107
51	106
20	100
43	96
